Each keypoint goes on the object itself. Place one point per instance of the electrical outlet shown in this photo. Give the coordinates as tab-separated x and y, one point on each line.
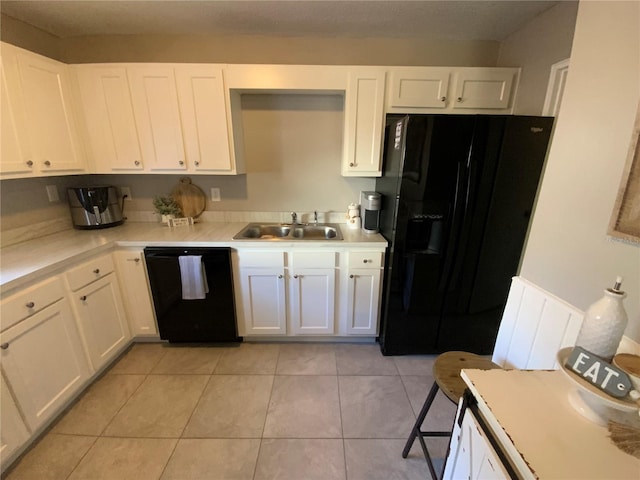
126	191
52	193
215	194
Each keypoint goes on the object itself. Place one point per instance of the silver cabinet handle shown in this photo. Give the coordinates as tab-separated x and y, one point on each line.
30	305
137	260
197	163
180	162
351	276
365	260
459	99
4	346
47	163
443	99
295	276
352	164
280	276
96	271
29	163
83	298
136	163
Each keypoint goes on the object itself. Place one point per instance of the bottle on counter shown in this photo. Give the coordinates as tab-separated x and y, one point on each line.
604	324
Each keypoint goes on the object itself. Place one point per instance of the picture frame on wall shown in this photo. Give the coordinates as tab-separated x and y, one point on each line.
625	218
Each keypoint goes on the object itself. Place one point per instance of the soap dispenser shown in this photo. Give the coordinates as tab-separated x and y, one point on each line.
604	324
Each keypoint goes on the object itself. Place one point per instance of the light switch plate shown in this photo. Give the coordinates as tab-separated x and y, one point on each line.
215	194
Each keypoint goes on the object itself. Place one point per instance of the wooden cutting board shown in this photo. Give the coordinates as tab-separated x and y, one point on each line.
190	197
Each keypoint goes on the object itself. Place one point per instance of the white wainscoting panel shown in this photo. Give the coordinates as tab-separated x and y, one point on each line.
535	325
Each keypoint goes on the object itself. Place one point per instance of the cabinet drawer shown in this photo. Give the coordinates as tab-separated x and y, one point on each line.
365	259
24	304
261	259
88	272
314	259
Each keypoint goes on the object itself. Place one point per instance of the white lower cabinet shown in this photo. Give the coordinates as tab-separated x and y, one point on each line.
263	292
287	293
263	300
471	454
99	310
136	296
14	432
363	292
44	362
312	292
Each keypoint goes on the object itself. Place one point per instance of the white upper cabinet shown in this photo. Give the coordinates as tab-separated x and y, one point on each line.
157	118
451	90
16	156
201	96
157	114
108	112
363	123
418	87
485	88
40	102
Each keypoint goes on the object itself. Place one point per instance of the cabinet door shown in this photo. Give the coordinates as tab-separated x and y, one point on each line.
108	111
313	301
418	87
157	114
134	286
363	290
484	87
101	319
14	432
473	456
44	362
49	105
264	301
204	119
16	156
363	123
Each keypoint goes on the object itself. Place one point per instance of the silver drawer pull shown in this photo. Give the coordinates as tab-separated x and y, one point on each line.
4	346
365	260
83	298
351	276
47	163
96	271
133	259
280	276
295	276
30	305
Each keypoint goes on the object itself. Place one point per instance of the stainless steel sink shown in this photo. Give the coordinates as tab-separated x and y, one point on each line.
316	232
277	231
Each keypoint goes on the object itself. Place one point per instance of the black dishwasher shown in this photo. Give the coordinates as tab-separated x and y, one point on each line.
187	313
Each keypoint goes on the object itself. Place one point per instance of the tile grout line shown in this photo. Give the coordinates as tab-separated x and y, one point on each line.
101	434
264	424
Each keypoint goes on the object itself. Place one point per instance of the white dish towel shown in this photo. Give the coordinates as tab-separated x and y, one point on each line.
193	277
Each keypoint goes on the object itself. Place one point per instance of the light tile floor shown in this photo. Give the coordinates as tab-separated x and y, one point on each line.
255	411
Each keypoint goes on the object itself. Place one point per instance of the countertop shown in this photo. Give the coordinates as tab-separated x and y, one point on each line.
541	432
23	262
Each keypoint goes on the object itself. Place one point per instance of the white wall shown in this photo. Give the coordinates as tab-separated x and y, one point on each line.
568	251
543	41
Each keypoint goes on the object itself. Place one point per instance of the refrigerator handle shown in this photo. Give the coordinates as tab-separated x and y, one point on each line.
454	231
465	226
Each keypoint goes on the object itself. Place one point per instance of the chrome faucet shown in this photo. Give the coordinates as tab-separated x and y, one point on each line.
315	218
294	218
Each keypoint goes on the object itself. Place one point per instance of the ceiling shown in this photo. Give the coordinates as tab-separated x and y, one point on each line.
453	19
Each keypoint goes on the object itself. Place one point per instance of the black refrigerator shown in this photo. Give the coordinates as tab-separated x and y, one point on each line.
457	195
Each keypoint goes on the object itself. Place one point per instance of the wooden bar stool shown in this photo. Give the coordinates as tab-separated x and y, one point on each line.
446	374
